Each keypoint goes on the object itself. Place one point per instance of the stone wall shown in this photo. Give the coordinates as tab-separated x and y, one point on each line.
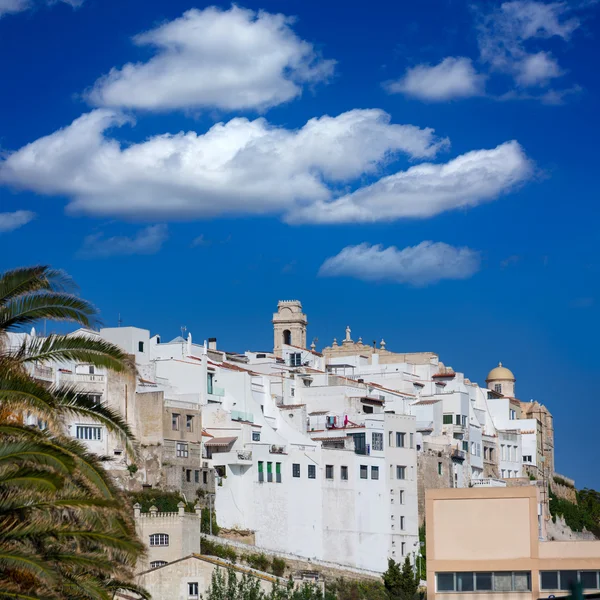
235	535
566	492
329	571
428	476
559	531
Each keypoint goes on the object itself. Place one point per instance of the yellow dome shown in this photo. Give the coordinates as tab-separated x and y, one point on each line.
500	373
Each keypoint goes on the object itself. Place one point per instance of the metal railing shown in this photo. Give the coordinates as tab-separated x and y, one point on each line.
82	377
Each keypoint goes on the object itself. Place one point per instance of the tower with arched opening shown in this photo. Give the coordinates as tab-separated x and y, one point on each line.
289	325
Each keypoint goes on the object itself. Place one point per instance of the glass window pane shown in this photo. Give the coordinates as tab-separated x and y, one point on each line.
549	580
483	582
503	582
464	582
567	579
522	581
445	582
589	579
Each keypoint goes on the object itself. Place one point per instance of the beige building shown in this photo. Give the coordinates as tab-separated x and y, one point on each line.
483	541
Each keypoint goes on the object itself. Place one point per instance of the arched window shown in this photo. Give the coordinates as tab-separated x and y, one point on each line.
158	563
287	337
159	539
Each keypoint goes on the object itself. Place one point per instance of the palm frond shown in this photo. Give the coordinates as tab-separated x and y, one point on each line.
53	306
77	348
26	280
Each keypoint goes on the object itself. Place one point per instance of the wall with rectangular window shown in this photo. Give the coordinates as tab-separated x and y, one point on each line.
86	432
364	472
486	581
400	472
377	441
374	472
344	473
295	470
312	472
328	471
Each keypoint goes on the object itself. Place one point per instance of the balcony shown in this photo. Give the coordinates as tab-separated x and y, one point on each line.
277	450
238	415
43	373
236	457
81	378
488	482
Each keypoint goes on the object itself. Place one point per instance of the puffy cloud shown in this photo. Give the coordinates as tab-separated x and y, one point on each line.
452	78
419	265
9	221
505	32
146	241
241	166
15	6
537	69
427	189
233	60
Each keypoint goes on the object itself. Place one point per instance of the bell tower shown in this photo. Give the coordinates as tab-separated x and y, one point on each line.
289	325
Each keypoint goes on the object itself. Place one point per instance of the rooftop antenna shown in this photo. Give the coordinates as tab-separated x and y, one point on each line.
183	330
119	321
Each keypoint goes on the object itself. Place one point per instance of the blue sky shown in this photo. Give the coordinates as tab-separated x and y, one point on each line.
425	172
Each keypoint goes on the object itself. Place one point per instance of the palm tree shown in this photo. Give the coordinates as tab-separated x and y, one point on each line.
66	531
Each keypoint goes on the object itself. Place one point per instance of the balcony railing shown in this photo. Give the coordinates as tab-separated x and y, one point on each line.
81	378
216	391
244	454
238	415
277	449
488	482
45	373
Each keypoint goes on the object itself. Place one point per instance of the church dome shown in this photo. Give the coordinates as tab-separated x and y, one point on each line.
500	373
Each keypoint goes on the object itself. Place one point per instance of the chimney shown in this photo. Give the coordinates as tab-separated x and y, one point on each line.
212	343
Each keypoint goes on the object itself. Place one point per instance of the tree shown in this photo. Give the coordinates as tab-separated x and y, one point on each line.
400	583
65	530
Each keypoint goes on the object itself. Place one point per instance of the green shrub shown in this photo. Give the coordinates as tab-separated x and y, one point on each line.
164	501
205	521
211	548
278	566
562	481
133	469
257	561
576	517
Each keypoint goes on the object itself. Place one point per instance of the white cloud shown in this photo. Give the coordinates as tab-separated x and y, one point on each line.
419	265
16	6
233	60
427	189
9	221
146	241
506	35
537	69
452	78
242	166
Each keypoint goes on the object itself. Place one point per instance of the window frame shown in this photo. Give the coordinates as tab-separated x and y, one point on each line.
159	540
329	474
312	471
296	470
377	441
182	450
374	472
364	471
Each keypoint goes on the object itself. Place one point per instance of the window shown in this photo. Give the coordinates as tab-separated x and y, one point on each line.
567	579
445	582
500	581
473	448
85	432
295	470
401	496
312	472
412	440
256	436
287	337
278	472
464	421
91	369
270	472
158	563
512	414
464	582
193	589
447	420
465	446
400	472
527	458
344	473
364	472
440	469
295	359
400	439
498	388
328	471
196	476
175	422
140	346
159	539
182	450
483	582
458	420
360	443
209	382
402	523
204	477
189	423
403	548
188	475
261	474
562	580
377	441
374	472
478	449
